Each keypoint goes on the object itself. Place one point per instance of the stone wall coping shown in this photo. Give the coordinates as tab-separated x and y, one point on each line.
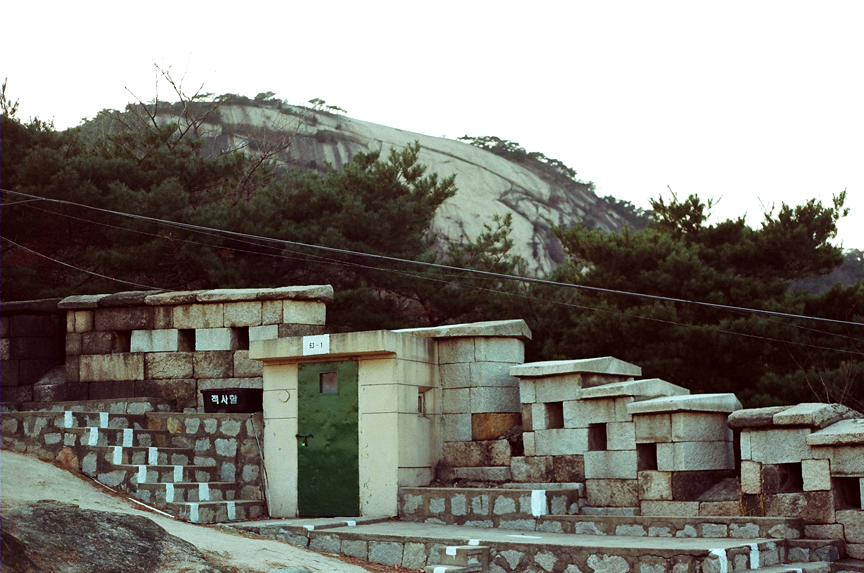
816	415
493	328
40	306
648	388
725	403
605	365
81	301
849	432
751	418
808	414
345	345
314	293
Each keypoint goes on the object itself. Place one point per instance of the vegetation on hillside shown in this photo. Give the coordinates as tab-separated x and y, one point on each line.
558	171
162	173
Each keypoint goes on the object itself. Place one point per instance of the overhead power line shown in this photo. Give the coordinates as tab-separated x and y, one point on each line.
447	278
439	266
31	251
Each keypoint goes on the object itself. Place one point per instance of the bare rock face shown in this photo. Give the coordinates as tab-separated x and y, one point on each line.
488	184
62	538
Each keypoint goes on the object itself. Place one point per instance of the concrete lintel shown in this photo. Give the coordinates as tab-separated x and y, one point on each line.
344	345
605	365
649	388
493	328
844	433
686	403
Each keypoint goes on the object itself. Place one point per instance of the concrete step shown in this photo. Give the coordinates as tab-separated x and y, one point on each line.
127	437
160	494
847	566
417	545
461	558
803	567
217	511
165	473
681	527
137	456
72	419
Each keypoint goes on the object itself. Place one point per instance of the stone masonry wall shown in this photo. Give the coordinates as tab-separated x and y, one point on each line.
173	345
226	442
31	346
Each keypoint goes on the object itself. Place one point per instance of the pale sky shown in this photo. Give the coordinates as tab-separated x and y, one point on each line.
754	102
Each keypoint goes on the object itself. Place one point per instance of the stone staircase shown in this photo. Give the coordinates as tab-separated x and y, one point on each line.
438	548
184	464
461	559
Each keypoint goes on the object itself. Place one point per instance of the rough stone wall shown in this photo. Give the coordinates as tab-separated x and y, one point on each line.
174	345
232	443
31	346
228	443
806	460
480	403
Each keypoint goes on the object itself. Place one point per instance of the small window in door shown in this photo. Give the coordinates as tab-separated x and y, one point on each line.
329	383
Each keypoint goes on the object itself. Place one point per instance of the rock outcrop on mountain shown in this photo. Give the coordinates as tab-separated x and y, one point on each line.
61	537
488	184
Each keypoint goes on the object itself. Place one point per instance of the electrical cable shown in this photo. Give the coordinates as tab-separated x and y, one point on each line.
79	268
439	266
326	260
330	261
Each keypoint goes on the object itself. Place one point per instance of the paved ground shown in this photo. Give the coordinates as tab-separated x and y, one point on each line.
24	479
460	535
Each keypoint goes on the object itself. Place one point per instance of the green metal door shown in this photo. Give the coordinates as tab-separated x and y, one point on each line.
328	474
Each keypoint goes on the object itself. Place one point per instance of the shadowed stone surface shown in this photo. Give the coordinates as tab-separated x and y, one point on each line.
60	537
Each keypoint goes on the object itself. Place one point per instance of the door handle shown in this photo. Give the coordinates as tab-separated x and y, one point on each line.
303	439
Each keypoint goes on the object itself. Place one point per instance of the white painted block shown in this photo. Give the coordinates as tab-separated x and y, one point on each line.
700	427
652	428
303	312
816	474
527	394
214	339
507	350
560	442
494	399
621	436
167	340
611	465
558	389
746	453
581	413
695	456
751	477
268	332
528	444
780	446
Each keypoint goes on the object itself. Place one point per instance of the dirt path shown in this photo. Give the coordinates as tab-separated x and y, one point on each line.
24	479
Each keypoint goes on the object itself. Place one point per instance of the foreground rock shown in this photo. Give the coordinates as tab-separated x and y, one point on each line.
63	538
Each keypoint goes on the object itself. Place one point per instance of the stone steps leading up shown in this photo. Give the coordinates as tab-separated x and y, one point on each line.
217	511
161	493
126	437
797	567
136	455
185	464
417	545
461	559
